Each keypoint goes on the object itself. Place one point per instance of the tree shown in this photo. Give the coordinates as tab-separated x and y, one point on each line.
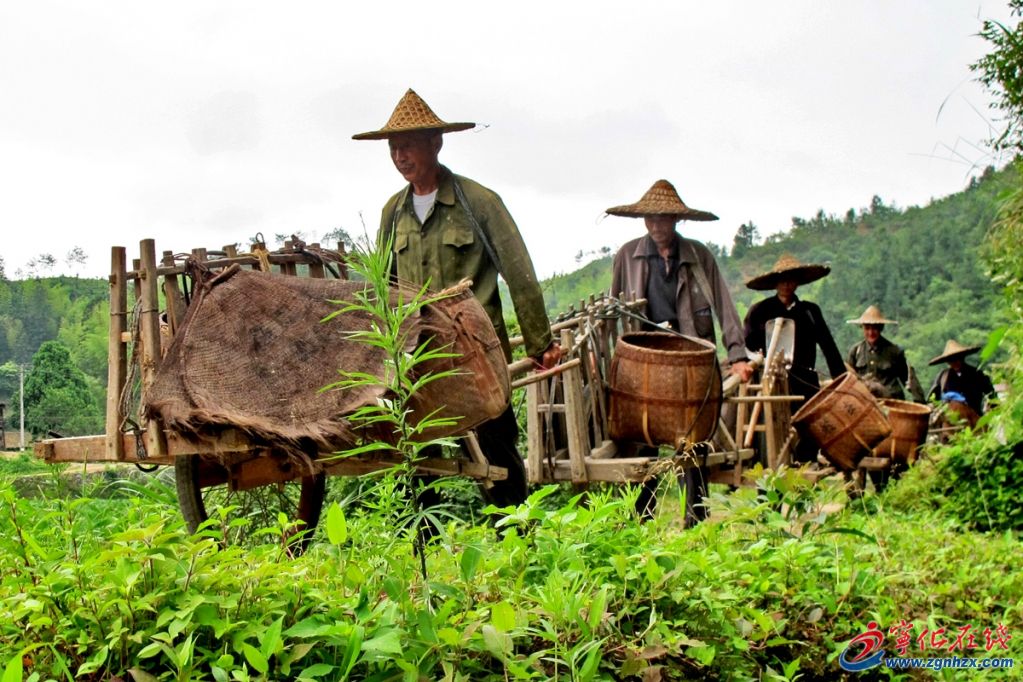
75	259
57	396
41	264
746	236
1001	72
878	209
338	234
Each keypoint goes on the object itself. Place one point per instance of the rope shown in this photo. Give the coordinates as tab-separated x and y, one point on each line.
683	444
130	399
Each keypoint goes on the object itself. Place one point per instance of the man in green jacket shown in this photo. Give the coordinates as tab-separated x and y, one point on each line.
443	228
881	363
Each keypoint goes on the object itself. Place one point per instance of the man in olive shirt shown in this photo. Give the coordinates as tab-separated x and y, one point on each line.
880	363
443	228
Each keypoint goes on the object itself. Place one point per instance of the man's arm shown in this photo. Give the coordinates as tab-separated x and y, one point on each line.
385	235
753	328
518	273
732	334
851	358
987	388
915	390
827	343
935	392
618	275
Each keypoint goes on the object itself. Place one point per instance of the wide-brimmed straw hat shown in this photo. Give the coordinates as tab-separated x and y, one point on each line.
953	350
661	199
872	315
412	114
788	267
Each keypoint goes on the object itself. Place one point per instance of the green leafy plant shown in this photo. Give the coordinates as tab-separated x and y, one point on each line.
393	311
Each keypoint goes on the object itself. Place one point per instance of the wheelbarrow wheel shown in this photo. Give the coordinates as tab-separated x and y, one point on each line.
246	516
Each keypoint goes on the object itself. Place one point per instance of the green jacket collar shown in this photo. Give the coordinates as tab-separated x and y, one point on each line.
445	190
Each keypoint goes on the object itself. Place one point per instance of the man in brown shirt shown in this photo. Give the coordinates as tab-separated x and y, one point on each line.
684	291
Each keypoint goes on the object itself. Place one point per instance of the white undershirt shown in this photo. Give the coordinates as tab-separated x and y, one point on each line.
422	203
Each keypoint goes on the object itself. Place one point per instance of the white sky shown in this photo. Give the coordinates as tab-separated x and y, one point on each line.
202	123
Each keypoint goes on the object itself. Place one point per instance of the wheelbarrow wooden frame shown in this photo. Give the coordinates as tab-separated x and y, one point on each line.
571	397
231	460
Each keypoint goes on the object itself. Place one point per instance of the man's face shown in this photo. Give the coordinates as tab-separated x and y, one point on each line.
785	288
415	154
661	229
871	332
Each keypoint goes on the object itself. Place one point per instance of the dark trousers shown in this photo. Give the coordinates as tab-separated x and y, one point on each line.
693	481
497	439
806	449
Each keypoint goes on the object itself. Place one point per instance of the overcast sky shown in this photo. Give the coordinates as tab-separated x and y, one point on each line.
203	123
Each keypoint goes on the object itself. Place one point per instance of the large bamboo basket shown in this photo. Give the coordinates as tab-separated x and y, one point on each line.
665	389
909	423
844	419
480	389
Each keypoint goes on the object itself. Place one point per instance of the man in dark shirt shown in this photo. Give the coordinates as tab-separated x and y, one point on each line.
960	382
810	331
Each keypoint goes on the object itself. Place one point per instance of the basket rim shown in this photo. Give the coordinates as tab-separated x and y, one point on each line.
906	407
705	345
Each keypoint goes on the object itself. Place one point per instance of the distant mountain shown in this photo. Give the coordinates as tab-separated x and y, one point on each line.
922	265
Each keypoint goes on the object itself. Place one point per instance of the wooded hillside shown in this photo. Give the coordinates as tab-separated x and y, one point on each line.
921	265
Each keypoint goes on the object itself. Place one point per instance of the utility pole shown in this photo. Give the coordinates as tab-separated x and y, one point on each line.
21	401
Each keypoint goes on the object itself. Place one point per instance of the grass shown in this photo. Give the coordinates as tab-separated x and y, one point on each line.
573	590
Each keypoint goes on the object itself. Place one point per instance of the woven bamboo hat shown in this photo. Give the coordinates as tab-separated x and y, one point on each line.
411	114
872	315
661	199
788	267
953	350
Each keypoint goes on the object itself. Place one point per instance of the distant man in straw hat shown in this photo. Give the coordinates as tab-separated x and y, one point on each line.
684	290
880	363
811	331
961	382
883	368
443	228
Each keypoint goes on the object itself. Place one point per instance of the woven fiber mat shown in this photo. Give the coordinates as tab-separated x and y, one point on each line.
253	353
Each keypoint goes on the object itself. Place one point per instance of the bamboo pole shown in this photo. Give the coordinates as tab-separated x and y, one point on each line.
575	416
172	295
149	323
768	358
288	268
315	267
534	434
342	266
117	355
546	374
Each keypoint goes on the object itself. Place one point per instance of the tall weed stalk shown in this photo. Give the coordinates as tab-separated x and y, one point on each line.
393	312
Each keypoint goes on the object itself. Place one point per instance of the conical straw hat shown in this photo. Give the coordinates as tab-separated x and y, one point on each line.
872	315
788	267
412	113
953	350
661	199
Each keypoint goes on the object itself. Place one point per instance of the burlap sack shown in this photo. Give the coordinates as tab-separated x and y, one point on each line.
254	354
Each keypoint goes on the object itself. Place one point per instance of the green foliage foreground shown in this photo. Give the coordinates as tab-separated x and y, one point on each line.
94	588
